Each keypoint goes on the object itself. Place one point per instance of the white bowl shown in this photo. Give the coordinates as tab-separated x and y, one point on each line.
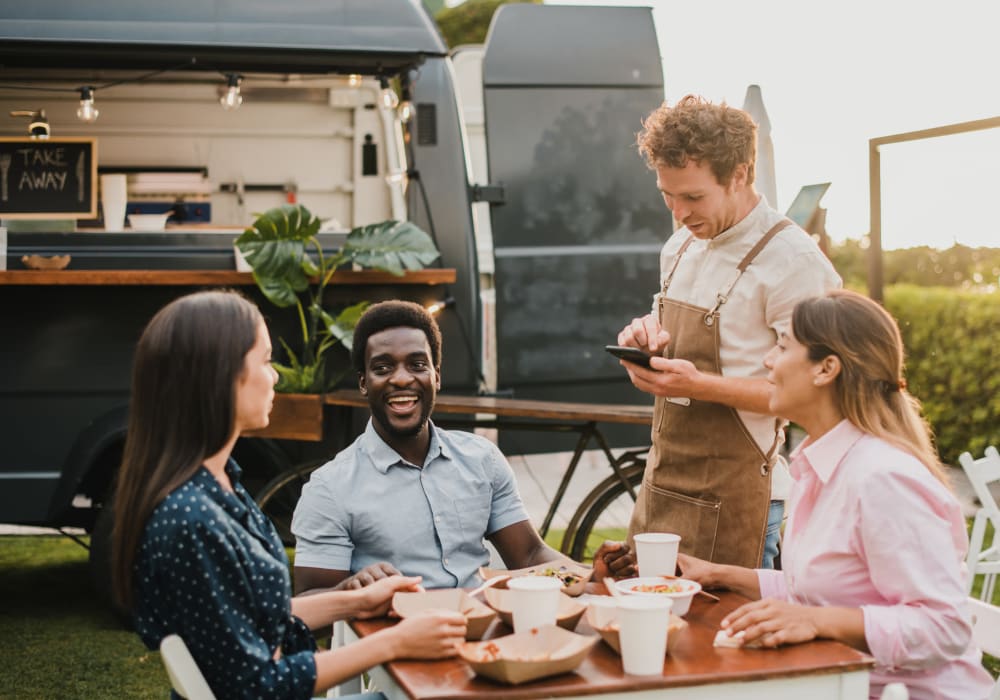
684	592
148	222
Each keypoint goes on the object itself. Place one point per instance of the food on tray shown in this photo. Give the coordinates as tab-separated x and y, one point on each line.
568	578
491	652
659	588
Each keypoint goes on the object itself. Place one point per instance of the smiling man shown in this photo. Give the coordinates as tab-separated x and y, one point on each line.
729	278
407	496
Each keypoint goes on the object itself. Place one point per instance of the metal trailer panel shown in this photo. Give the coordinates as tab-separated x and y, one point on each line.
577	242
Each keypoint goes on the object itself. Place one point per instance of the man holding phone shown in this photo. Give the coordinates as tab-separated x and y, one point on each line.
730	276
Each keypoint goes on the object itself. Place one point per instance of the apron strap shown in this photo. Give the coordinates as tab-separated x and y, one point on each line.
673	268
769	457
722	297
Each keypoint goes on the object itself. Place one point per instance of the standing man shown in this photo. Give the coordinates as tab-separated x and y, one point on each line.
730	277
407	495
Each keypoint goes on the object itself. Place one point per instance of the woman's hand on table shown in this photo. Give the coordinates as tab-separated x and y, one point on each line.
434	634
376	598
771	623
613	559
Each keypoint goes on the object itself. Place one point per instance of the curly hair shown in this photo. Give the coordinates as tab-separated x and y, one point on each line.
696	130
394	314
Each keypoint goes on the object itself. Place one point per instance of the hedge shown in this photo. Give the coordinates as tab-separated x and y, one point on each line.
953	362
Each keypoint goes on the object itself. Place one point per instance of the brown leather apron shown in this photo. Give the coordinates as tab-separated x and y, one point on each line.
706	478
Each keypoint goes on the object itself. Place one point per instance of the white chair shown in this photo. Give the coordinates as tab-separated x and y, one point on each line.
986	632
895	691
981	473
185	677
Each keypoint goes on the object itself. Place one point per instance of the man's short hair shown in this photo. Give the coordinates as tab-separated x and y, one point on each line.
696	130
394	314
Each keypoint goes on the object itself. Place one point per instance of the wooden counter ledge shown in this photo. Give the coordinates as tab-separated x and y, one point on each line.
208	277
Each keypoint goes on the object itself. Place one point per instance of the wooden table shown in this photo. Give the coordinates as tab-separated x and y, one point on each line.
529	414
694	670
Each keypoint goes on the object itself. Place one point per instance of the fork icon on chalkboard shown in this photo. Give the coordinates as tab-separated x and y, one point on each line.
4	169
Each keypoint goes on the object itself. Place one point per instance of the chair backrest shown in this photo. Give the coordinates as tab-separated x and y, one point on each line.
185	677
985	626
981	473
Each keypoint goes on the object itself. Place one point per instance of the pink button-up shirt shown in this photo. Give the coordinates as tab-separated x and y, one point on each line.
870	527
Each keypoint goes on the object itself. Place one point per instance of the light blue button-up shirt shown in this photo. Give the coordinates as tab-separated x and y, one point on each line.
370	505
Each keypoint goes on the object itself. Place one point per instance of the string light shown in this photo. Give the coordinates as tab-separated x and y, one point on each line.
354	80
389	98
405	103
439	306
87	112
231	98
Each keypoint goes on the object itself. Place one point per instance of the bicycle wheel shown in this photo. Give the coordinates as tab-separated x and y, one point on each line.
605	514
280	495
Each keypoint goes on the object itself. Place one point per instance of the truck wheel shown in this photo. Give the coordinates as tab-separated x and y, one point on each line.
100	563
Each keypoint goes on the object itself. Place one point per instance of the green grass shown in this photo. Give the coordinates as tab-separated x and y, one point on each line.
57	640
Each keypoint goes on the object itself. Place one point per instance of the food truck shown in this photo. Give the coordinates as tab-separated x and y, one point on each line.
517	157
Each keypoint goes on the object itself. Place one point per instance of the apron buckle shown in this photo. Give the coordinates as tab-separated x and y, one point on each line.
765	469
710	319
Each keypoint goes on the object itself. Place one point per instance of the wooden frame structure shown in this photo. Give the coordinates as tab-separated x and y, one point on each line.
875	280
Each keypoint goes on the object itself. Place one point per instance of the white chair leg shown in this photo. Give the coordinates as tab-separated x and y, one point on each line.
975	548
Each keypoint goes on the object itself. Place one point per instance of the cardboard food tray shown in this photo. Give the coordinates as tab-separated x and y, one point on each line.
567	616
477	614
528	656
583	574
609	633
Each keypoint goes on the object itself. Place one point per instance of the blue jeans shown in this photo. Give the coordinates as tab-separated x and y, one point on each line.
774	515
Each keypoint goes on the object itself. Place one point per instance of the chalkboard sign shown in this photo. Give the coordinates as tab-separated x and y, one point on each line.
50	179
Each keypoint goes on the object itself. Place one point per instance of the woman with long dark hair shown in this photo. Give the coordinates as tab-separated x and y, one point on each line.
193	555
875	543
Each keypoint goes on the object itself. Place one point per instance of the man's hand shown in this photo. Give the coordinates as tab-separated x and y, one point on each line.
669	378
613	559
377	597
368	575
645	333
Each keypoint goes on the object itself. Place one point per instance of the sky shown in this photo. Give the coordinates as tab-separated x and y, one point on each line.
837	73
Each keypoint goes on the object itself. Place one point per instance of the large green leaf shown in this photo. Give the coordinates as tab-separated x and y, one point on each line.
275	246
393	246
342	327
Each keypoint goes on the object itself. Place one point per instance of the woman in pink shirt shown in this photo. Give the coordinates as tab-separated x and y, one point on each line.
875	541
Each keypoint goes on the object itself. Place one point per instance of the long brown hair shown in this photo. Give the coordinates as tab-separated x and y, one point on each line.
187	364
870	389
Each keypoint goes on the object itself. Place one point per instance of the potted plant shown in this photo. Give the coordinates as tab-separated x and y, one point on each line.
291	269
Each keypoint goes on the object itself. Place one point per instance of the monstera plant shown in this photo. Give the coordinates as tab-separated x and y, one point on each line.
291	269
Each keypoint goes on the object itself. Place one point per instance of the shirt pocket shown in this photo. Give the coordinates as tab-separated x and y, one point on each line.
474	510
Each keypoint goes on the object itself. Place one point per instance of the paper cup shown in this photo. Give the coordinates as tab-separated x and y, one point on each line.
642	625
657	553
603	611
534	601
114	198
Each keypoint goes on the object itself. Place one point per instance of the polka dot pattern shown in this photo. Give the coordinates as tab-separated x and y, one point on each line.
211	569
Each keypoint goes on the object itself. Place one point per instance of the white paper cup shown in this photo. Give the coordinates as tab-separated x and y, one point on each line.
602	611
534	601
642	631
114	198
656	553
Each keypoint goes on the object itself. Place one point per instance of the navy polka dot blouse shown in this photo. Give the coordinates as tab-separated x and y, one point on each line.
211	569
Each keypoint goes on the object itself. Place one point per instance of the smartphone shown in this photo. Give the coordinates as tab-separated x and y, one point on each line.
633	355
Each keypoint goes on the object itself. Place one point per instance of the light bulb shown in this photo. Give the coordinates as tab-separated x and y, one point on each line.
354	80
405	111
87	112
389	98
231	98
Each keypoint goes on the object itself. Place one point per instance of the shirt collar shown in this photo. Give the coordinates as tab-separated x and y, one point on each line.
823	455
384	457
231	502
750	222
